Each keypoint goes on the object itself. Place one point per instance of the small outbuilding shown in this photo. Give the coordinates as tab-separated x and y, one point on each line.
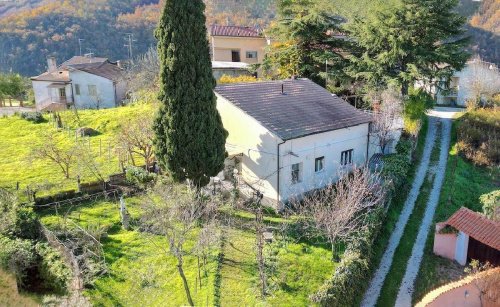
468	235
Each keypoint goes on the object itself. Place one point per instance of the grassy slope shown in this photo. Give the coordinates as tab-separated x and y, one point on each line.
464	184
9	295
19	136
141	273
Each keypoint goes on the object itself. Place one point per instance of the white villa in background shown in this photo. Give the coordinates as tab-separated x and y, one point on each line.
292	136
85	82
477	73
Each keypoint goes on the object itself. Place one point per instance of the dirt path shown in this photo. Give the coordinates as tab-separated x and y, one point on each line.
406	289
370	298
373	292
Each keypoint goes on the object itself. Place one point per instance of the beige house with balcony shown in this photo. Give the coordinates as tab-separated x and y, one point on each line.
237	44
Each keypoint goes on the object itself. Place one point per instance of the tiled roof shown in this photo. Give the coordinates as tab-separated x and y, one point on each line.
82	60
106	70
55	76
302	109
477	226
237	31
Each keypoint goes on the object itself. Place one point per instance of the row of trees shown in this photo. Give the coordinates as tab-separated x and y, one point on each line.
418	40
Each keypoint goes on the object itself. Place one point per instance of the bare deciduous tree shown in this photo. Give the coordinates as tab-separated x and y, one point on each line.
176	212
341	210
385	119
137	138
144	72
53	149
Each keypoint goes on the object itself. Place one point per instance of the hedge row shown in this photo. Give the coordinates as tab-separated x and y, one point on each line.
349	281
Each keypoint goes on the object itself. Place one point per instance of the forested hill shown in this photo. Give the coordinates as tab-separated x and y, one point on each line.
31	30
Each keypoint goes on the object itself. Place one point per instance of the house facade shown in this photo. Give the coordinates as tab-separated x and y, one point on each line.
477	77
290	137
85	82
237	44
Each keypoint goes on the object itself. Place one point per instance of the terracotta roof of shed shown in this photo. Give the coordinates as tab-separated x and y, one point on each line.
235	31
477	226
303	109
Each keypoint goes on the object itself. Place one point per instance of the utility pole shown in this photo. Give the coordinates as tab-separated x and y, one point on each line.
80	40
130	39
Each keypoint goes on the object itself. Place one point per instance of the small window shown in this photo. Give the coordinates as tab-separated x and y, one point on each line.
93	90
251	54
296	175
235	56
77	89
319	164
62	92
346	157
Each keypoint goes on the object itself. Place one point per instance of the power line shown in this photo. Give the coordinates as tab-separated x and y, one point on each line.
130	39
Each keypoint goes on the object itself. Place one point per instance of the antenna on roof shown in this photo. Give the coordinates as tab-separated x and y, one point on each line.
282	88
80	40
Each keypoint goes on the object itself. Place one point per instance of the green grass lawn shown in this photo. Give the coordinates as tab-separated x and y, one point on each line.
9	295
18	137
464	184
141	273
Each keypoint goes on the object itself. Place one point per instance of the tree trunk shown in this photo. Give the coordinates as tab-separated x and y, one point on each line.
404	88
184	281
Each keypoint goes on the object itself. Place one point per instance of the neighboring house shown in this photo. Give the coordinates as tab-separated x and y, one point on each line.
290	137
476	79
468	235
232	69
237	44
478	290
82	81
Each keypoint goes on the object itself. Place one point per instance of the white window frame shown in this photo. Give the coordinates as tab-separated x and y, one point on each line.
346	157
319	164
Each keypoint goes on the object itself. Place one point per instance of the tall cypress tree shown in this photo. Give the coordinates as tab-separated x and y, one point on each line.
190	137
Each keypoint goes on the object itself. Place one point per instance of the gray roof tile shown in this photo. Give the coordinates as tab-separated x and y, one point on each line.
305	108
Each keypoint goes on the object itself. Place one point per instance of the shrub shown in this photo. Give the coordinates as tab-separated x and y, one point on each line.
404	147
35	117
16	220
16	256
415	106
491	205
478	134
139	176
53	270
225	79
396	167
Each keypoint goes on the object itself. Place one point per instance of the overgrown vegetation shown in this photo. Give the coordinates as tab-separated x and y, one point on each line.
478	133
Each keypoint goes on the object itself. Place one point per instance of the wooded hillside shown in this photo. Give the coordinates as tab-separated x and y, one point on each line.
30	30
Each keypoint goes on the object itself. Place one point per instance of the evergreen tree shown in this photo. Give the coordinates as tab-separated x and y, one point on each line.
190	138
417	40
304	41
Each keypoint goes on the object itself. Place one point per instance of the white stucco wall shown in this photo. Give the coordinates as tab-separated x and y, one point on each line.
257	144
105	91
463	80
329	145
45	95
461	248
260	153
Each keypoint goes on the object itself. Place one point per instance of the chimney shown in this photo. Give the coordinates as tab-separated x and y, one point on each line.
51	64
119	64
282	89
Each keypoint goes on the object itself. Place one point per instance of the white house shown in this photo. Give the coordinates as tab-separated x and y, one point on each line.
290	137
83	81
477	77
